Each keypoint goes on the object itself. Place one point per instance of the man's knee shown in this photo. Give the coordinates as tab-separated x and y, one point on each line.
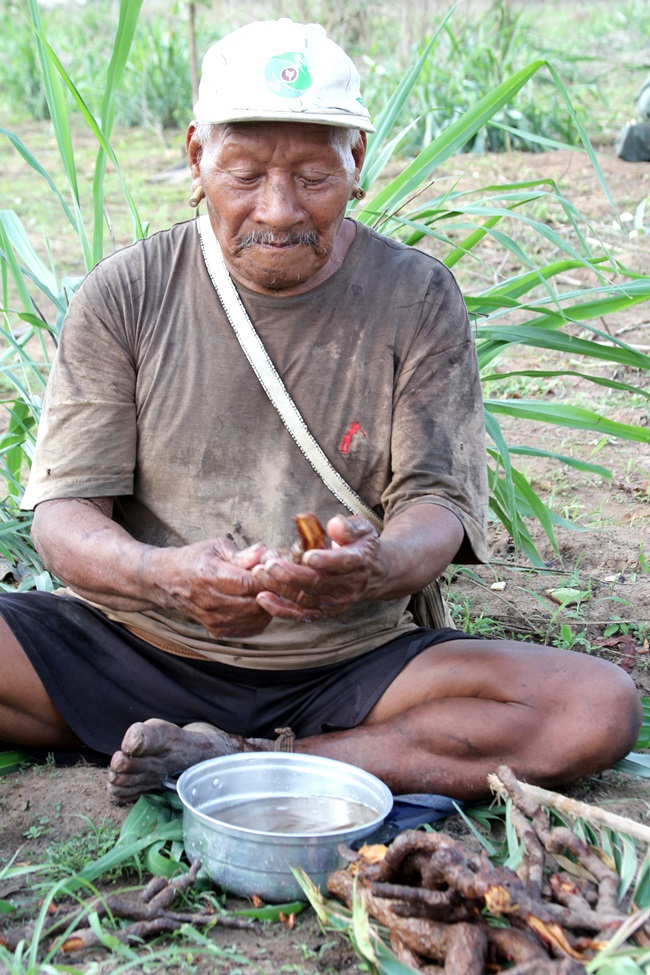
616	709
594	723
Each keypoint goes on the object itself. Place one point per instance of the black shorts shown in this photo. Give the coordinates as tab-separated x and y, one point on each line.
102	678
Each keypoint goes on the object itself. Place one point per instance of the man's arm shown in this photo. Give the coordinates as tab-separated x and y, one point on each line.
211	581
415	547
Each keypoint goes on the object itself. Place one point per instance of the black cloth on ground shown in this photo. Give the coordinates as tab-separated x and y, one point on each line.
102	678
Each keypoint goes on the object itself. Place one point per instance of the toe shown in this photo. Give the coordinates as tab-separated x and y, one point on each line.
135	738
119	763
115	796
127	787
122	794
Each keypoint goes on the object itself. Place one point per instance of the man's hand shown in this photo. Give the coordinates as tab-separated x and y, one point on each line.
212	583
235	593
415	547
328	581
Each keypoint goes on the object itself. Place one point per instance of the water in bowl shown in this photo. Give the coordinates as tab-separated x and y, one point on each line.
294	814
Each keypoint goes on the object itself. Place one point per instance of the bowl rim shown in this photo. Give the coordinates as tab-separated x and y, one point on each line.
213	765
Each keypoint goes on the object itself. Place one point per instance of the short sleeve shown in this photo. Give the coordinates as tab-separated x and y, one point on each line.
438	436
86	443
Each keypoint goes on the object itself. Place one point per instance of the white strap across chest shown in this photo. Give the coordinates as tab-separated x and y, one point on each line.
269	378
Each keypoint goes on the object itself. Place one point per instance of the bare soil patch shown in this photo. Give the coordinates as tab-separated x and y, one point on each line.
43	807
608	560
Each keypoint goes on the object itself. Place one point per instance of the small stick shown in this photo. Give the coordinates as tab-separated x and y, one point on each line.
155	885
196	197
574	807
562	838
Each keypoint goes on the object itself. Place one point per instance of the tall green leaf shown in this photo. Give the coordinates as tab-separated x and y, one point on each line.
128	18
450	141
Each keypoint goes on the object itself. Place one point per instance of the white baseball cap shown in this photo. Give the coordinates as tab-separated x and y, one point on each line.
280	71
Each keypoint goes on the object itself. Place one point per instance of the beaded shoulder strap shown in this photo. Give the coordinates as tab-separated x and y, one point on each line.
269	377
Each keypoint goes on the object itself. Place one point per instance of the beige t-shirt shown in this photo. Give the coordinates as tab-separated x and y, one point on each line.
151	401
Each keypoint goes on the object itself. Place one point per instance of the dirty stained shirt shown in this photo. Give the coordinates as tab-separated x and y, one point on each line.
152	401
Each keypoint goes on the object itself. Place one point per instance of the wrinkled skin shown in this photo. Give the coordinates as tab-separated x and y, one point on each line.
280	183
209	581
213	583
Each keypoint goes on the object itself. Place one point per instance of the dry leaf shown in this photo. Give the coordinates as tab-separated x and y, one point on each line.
624	643
498	900
571	867
566	597
554	936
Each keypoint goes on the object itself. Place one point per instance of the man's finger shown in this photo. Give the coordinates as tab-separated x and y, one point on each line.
247	558
283	608
341	561
280	572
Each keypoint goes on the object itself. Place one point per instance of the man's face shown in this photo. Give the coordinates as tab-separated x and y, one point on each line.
276	195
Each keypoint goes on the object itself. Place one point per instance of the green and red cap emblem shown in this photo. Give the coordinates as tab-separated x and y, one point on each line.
287	75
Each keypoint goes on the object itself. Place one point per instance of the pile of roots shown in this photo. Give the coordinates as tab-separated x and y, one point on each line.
447	907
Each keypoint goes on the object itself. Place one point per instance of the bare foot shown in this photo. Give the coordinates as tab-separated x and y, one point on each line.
154	748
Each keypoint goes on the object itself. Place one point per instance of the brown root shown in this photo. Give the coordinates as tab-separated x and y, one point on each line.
149	913
432	894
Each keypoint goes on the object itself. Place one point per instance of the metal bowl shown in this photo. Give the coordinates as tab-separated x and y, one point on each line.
250	859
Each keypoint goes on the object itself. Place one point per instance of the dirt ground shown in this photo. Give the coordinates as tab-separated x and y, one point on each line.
608	561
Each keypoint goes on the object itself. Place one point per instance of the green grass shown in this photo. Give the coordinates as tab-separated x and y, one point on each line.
590	43
104	860
93	841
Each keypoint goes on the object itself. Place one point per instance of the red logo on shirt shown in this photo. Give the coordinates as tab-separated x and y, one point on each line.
347	439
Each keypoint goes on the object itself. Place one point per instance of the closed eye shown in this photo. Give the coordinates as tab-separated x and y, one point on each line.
313	180
243	175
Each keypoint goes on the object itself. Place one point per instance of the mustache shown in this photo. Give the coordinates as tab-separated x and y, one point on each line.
309	238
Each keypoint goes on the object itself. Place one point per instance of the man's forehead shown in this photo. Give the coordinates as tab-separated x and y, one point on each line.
295	131
264	137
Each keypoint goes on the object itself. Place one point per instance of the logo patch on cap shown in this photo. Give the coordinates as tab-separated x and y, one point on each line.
287	75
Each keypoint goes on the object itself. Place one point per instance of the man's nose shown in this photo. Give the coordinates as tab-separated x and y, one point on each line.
278	203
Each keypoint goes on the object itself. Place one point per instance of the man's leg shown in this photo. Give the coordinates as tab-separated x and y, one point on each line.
27	715
459	710
454	713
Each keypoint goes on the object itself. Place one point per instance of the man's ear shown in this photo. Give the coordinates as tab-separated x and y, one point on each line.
359	154
194	151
